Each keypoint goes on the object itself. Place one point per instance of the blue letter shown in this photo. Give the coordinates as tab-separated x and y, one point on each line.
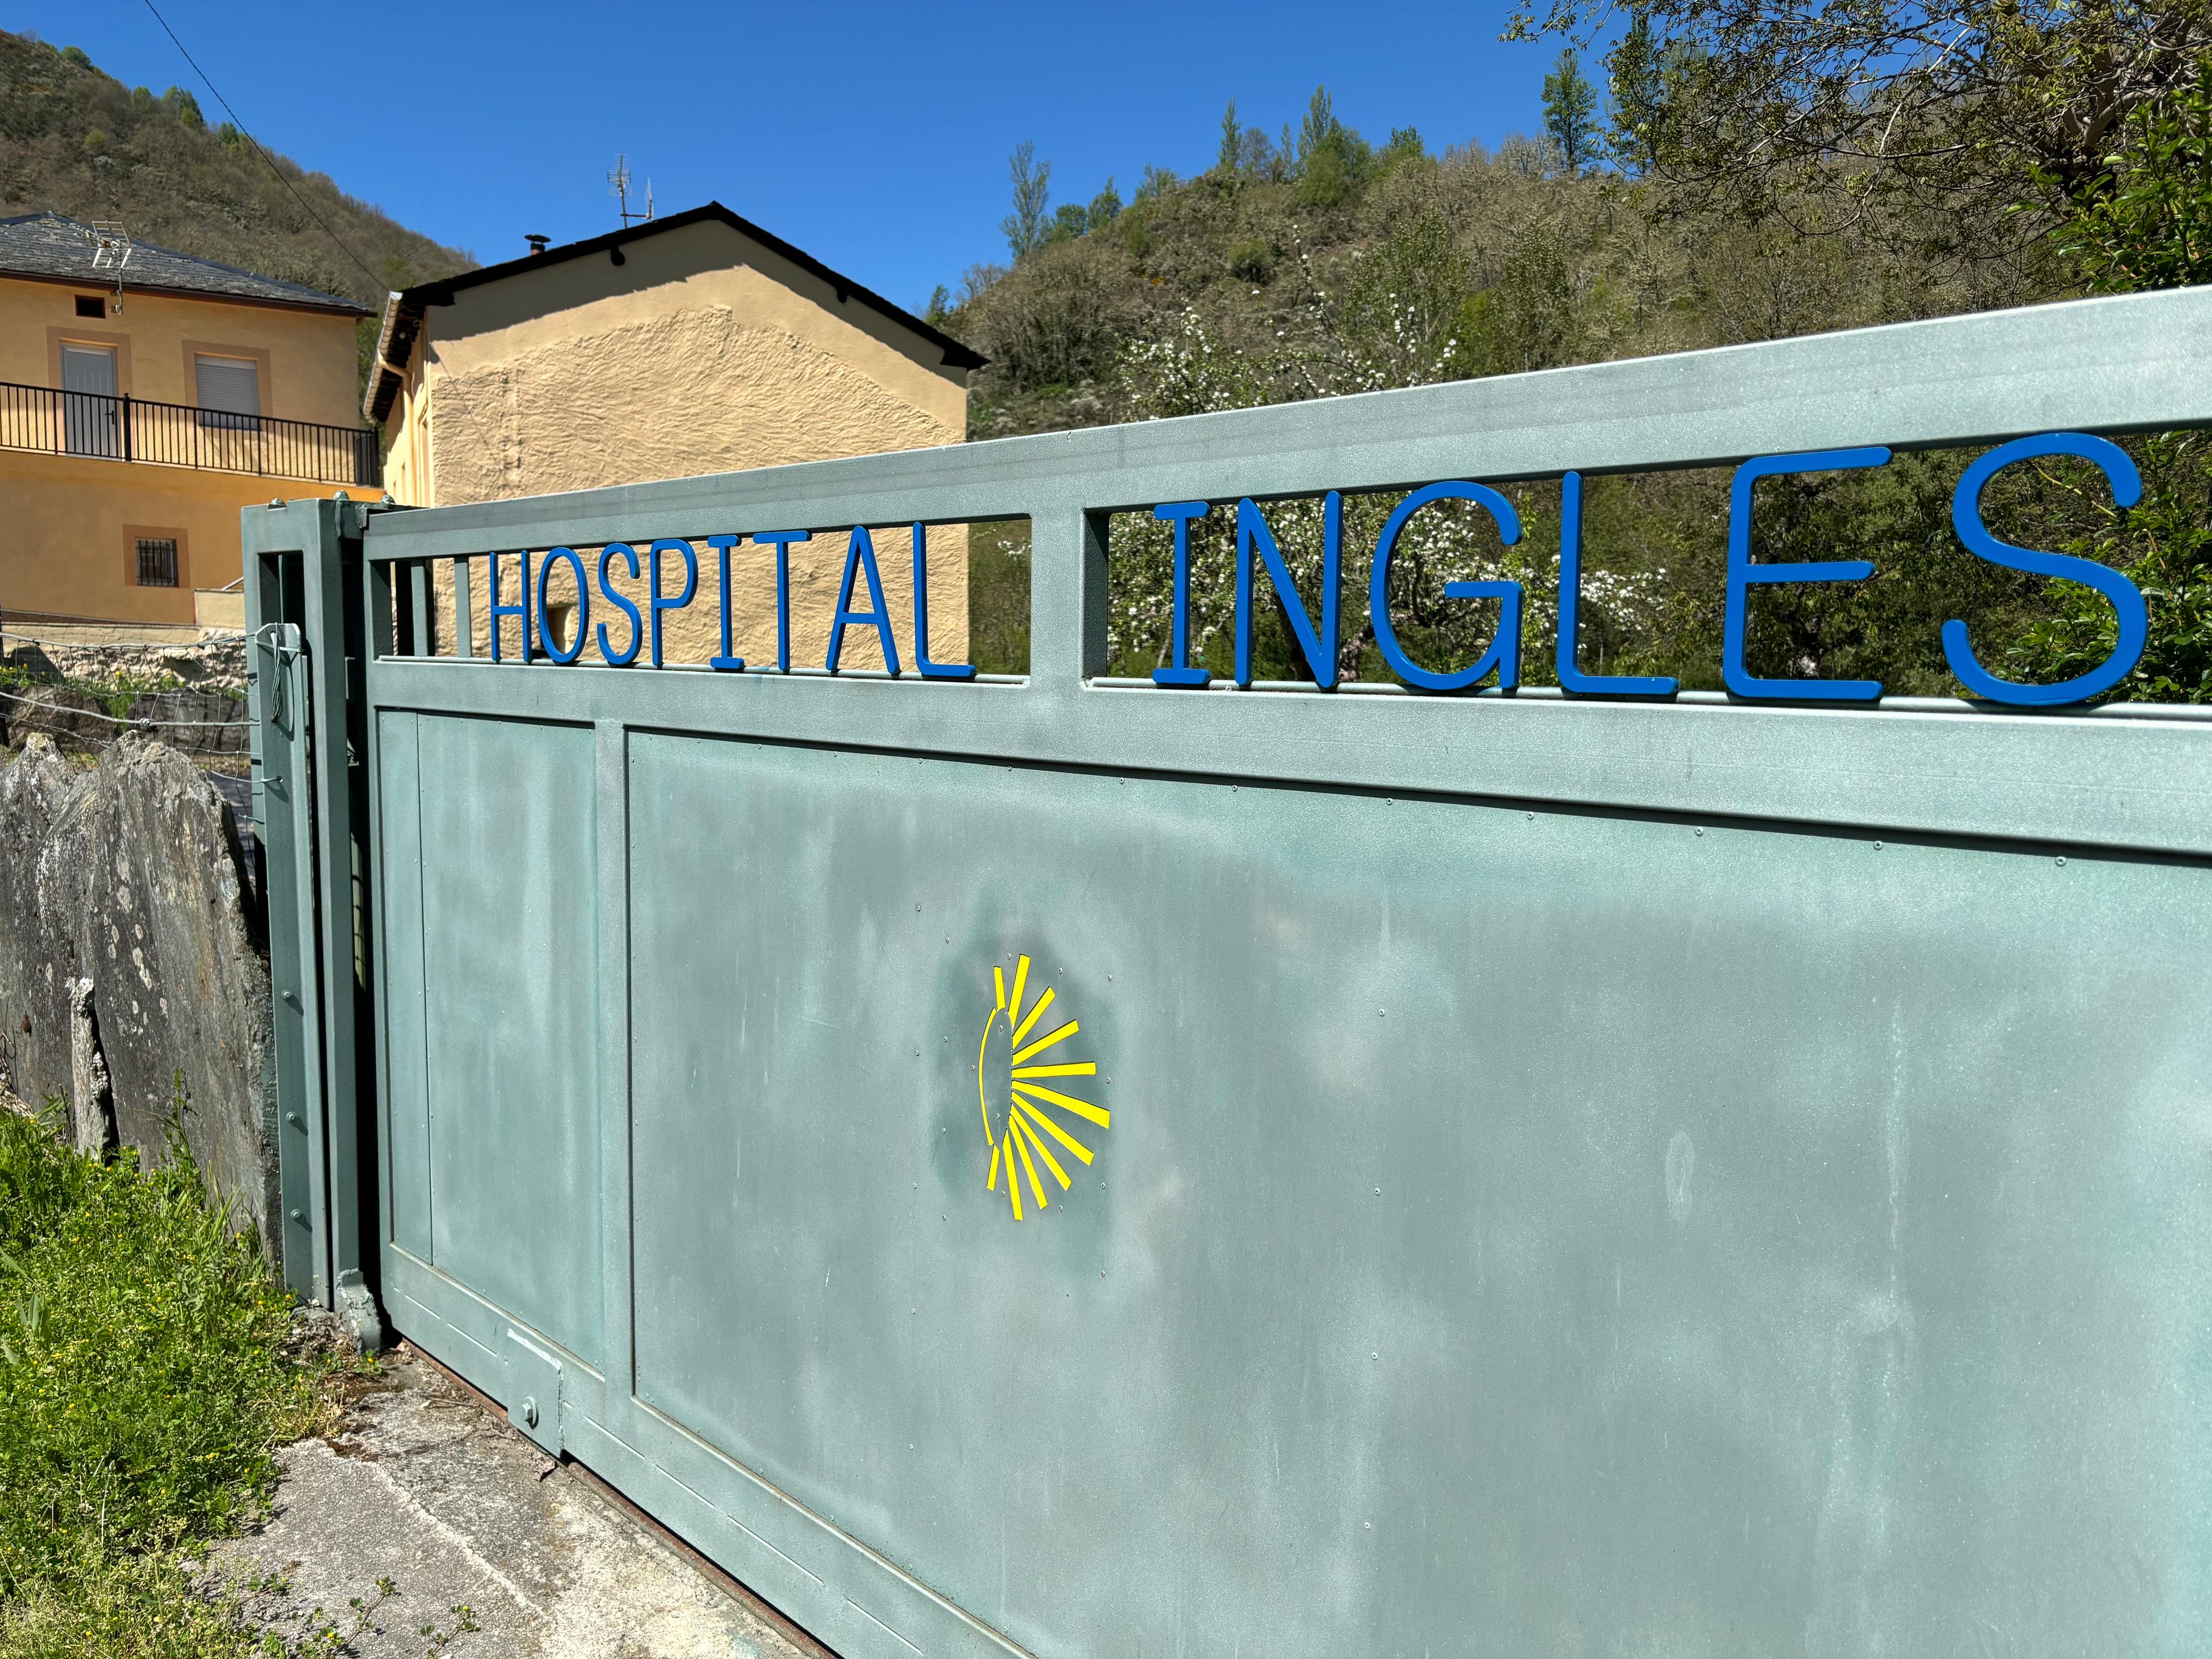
1320	650
1181	514
1572	677
861	553
1505	652
781	539
583	605
637	633
2127	602
728	661
519	610
1743	574
690	586
930	671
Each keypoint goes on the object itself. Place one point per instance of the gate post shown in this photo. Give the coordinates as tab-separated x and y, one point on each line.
305	618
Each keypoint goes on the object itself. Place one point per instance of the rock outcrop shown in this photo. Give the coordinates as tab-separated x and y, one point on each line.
125	876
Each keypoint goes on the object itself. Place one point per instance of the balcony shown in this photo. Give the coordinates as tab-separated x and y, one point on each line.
120	429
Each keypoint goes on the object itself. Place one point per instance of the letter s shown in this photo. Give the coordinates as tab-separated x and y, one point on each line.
629	558
2126	599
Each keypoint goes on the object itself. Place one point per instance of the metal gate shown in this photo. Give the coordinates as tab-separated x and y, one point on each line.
1508	1175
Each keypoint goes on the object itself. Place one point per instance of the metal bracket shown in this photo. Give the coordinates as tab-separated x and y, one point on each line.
533	1391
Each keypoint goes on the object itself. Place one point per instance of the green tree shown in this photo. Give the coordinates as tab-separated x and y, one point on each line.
1570	111
1981	119
1070	220
1405	146
1637	76
181	103
2144	222
1025	227
1332	160
1230	159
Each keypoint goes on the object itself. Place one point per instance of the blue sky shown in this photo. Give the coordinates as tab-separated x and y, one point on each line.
875	136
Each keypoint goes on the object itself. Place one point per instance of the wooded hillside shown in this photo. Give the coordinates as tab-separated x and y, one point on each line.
75	141
1320	263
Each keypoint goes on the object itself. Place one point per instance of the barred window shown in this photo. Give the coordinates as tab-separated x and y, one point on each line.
157	561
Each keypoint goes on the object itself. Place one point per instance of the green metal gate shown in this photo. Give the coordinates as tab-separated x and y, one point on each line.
1515	1174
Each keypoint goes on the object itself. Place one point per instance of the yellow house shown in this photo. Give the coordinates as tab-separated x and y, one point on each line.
146	396
689	344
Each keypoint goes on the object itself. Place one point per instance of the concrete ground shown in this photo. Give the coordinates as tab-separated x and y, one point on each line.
428	1502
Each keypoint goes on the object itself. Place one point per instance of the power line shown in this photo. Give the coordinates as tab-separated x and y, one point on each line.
263	153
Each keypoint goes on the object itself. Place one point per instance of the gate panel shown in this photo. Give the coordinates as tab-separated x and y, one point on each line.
508	940
1489	1194
1578	1175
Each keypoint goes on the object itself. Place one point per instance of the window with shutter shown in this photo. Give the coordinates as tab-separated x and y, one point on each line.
229	391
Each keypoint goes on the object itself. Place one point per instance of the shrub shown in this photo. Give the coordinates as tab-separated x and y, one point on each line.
1252	262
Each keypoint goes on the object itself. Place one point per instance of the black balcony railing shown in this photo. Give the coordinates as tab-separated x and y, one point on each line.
119	429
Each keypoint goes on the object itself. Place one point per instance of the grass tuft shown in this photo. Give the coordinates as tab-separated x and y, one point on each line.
144	1388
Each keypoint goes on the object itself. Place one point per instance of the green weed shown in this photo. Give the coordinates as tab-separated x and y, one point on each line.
144	1388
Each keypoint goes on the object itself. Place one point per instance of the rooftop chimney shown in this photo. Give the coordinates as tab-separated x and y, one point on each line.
537	243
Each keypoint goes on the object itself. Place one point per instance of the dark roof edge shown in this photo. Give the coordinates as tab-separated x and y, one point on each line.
956	356
336	307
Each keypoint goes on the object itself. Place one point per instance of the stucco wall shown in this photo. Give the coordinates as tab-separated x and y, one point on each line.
310	360
702	387
693	634
702	352
68	522
67	533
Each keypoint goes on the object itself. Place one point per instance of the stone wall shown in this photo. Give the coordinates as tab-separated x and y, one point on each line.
133	987
216	663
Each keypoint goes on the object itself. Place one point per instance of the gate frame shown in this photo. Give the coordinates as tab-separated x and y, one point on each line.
296	556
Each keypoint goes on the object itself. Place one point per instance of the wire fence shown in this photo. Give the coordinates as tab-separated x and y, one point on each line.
207	727
133	722
208	638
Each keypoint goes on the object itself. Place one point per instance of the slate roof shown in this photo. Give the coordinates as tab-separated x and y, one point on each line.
53	248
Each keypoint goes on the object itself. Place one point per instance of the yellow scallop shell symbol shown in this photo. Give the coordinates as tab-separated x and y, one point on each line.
1030	1102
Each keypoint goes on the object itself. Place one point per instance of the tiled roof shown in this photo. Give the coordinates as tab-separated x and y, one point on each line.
48	245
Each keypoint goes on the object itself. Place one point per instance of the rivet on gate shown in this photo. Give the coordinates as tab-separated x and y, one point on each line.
2062	861
1701	829
1877	847
530	1413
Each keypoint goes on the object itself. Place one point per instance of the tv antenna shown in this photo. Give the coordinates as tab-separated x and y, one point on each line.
619	185
111	250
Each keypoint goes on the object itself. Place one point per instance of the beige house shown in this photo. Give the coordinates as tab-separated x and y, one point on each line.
689	344
146	396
